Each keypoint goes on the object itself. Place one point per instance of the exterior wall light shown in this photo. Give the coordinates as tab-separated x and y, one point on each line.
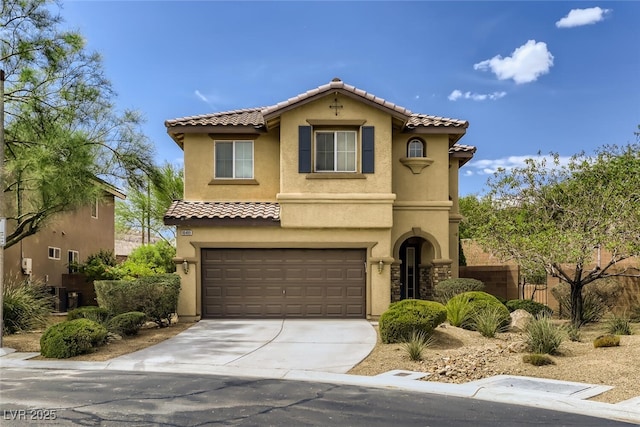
185	267
380	266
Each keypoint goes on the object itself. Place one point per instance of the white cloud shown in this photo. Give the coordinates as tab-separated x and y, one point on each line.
201	96
457	94
525	64
490	166
579	17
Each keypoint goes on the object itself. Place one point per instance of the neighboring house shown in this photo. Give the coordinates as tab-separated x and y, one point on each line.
127	242
333	203
68	237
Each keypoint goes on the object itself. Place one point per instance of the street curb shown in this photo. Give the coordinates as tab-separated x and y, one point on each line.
507	395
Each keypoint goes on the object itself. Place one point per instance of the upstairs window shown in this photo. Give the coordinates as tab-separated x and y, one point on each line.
233	160
335	151
54	253
415	148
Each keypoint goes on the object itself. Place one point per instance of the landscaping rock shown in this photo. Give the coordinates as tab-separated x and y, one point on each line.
519	320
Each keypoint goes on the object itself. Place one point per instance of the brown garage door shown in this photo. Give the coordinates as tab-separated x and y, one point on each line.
277	283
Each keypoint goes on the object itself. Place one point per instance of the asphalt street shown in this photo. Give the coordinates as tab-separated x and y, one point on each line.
112	398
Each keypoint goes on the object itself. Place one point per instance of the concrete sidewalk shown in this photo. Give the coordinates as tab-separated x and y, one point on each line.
323	351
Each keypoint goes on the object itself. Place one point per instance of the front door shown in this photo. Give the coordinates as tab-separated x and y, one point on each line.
410	273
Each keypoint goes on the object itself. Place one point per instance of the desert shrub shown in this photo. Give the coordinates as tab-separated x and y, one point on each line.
447	289
477	302
458	311
101	265
25	306
127	323
488	321
97	314
71	338
416	344
148	260
533	307
537	359
404	317
156	296
618	325
608	340
573	332
543	336
597	299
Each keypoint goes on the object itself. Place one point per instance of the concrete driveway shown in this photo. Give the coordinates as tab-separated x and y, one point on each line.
260	346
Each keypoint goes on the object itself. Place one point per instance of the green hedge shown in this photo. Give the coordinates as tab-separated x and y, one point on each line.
97	314
155	296
477	302
71	338
533	307
127	323
445	290
406	316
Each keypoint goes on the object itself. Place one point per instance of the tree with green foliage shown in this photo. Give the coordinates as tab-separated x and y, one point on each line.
552	216
64	137
144	209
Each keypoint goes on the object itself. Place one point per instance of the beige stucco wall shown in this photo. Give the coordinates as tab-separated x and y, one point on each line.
199	182
69	231
374	211
376	242
422	205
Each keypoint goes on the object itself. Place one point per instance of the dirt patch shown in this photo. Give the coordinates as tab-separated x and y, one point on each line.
459	356
148	336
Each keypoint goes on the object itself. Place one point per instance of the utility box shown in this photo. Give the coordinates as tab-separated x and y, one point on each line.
27	266
73	300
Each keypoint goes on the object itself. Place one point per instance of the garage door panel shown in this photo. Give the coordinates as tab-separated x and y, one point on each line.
355	291
280	283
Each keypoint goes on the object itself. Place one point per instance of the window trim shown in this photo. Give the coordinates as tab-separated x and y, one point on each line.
356	151
76	260
55	251
423	148
94	209
233	160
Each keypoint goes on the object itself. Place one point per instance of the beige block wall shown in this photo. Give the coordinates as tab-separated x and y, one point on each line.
377	243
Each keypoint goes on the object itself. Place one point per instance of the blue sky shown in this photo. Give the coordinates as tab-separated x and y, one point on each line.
528	76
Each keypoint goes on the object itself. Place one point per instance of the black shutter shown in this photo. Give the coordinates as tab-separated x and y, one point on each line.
304	149
368	149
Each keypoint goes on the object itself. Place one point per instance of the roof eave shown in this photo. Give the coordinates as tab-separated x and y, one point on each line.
272	113
178	132
221	222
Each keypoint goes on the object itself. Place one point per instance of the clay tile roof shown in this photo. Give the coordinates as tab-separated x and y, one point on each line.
183	210
256	116
417	120
461	148
244	117
333	85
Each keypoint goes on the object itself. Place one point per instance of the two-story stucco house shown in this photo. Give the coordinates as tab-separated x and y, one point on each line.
333	203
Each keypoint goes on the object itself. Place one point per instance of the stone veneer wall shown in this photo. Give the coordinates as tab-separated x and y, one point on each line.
395	282
440	272
426	289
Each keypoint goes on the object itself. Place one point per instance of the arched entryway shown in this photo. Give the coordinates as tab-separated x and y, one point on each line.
412	272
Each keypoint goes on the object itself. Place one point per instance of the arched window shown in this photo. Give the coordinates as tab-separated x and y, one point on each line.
415	148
